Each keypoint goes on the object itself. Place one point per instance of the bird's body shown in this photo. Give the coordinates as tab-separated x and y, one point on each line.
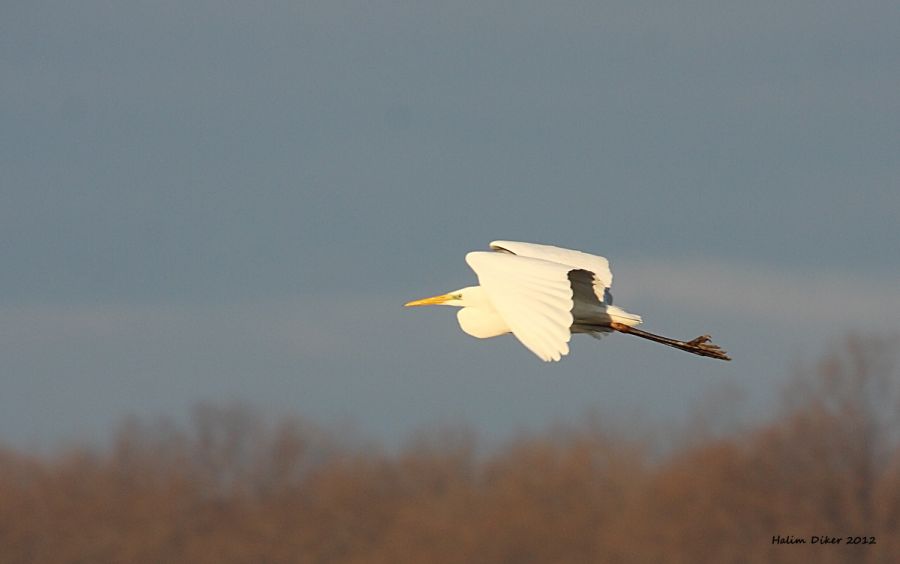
542	295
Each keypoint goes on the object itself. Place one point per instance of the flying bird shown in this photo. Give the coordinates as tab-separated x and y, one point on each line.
544	294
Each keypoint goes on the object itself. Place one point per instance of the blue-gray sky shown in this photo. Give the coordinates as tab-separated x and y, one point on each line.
207	201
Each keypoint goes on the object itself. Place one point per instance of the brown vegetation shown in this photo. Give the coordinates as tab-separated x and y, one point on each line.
230	488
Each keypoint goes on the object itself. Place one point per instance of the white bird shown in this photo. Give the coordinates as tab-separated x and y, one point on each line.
542	295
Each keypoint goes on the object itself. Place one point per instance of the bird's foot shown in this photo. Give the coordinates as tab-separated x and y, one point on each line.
703	347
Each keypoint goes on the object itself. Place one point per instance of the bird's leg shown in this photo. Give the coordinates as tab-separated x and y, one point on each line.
700	346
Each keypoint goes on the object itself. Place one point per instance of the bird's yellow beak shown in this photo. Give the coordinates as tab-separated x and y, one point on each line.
435	300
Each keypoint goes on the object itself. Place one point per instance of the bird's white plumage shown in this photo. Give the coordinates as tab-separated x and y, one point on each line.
597	265
542	295
533	296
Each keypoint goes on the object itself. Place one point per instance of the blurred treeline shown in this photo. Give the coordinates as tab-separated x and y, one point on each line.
232	487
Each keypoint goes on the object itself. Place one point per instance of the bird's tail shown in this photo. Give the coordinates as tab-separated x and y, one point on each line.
619	315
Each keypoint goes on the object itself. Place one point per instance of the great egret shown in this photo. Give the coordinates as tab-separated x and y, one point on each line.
542	294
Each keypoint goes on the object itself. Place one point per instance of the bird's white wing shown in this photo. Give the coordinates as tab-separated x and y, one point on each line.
597	265
533	296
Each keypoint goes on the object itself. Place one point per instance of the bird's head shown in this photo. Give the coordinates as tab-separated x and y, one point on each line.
459	298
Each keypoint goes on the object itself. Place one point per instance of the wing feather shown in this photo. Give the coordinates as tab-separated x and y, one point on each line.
597	265
533	296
